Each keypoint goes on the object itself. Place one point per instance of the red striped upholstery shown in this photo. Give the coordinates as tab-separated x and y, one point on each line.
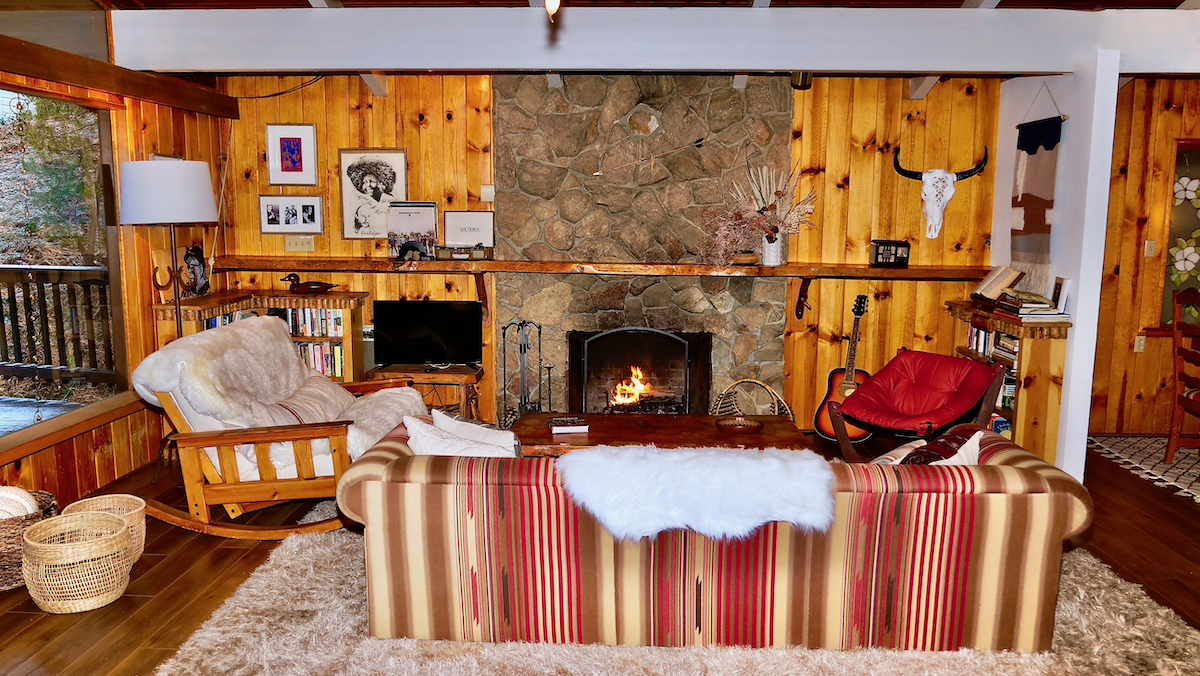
919	557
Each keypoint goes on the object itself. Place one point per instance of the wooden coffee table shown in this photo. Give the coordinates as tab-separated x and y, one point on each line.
664	431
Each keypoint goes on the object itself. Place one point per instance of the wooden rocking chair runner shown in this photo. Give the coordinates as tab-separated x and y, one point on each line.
1187	386
750	397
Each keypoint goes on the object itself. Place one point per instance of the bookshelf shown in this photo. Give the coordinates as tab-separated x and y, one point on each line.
326	327
1034	354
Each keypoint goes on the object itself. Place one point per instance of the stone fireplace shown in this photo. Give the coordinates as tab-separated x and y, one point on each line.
575	182
638	370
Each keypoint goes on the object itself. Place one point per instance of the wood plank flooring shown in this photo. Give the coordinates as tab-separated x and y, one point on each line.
1144	532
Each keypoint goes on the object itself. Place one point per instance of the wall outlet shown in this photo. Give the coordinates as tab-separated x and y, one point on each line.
298	243
1150	248
1139	344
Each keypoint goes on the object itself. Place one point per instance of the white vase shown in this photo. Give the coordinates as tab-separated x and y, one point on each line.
772	251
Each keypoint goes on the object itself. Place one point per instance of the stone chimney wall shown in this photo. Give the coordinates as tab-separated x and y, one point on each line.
551	204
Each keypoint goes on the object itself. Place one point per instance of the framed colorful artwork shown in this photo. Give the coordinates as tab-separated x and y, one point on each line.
371	178
291	154
290	214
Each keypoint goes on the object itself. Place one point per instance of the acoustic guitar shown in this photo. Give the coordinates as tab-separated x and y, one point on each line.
843	381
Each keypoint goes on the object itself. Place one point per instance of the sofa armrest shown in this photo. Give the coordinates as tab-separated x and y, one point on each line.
996	451
370	466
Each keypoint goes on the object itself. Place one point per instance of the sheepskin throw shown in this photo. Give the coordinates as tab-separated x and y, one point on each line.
639	491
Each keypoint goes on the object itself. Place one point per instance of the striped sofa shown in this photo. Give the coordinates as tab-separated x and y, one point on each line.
919	557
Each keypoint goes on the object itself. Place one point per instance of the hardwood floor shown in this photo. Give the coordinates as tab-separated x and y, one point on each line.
1144	532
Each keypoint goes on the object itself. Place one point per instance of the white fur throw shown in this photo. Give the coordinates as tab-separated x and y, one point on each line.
639	491
221	371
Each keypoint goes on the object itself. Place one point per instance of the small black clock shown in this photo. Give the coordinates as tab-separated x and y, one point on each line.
889	253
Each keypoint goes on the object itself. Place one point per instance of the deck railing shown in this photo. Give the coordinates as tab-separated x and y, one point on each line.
57	323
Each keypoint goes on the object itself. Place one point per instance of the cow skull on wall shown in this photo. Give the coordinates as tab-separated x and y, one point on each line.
937	187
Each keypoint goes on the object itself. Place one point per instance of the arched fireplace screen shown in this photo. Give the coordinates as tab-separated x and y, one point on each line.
638	370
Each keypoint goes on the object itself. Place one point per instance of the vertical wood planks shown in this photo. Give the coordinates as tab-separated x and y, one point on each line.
844	132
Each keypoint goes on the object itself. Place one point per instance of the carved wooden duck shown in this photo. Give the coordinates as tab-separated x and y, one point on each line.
298	286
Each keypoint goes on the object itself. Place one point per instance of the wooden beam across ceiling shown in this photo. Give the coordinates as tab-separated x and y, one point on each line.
32	60
718	39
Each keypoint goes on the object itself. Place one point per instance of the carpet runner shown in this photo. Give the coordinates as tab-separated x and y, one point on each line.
1144	457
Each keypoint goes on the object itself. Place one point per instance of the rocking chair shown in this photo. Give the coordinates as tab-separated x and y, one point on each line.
255	426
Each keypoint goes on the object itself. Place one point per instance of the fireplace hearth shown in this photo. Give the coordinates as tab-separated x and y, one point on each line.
638	370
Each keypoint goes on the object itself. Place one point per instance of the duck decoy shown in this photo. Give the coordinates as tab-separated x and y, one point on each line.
298	286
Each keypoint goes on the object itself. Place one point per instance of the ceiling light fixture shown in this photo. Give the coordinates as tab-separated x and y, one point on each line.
552	8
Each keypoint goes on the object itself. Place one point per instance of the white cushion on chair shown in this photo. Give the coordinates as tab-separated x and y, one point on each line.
319	399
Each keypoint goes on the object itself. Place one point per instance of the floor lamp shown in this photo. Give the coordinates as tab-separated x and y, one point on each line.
166	192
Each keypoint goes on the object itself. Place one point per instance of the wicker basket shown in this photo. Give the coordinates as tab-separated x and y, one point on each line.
11	532
130	507
76	562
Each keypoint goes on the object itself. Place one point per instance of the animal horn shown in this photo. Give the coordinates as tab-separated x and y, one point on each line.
906	173
960	175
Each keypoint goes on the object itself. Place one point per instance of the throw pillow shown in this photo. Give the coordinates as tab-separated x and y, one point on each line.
956	447
319	399
425	439
475	431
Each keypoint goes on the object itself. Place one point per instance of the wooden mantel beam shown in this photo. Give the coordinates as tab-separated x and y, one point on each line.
45	63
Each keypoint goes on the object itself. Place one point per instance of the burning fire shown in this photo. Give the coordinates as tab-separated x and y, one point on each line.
631	390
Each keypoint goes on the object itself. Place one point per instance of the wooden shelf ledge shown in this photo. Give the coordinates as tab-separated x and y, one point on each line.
223	302
805	270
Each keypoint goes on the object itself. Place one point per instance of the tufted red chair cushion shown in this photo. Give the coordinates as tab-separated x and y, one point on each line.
919	392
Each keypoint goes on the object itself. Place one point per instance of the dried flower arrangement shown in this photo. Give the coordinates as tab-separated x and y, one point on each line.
760	210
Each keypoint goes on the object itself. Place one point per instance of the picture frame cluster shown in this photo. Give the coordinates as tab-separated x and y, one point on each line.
374	200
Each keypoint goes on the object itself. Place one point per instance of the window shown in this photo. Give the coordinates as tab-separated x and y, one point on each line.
56	337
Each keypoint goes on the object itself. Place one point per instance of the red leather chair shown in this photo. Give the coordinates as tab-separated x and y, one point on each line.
918	394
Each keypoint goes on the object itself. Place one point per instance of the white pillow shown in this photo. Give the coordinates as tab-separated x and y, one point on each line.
473	431
425	439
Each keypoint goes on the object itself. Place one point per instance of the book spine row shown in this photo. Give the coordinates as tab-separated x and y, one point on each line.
307	322
328	359
993	343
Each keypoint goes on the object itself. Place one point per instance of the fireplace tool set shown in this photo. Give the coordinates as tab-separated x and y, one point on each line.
526	402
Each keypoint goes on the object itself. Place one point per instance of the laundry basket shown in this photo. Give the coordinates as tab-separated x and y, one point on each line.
12	531
76	562
130	507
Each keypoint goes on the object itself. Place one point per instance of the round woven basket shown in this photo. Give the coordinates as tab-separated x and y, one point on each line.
76	562
130	507
11	532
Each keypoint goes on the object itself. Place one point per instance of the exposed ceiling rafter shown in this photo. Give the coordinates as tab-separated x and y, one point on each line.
918	87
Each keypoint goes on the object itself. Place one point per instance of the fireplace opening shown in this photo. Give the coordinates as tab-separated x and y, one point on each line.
638	370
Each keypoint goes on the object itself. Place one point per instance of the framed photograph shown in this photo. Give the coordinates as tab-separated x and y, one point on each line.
291	154
467	229
290	214
412	230
372	178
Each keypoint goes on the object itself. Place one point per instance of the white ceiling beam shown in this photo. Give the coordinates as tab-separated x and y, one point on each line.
740	79
718	39
918	87
375	80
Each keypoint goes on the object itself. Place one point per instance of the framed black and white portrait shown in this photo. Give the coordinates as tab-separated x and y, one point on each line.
290	214
371	179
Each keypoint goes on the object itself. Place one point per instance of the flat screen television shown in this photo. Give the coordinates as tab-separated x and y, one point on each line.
428	332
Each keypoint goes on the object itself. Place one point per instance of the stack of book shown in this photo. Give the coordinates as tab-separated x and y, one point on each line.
1027	308
996	293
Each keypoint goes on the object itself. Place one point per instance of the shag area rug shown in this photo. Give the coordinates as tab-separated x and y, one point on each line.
304	613
1144	457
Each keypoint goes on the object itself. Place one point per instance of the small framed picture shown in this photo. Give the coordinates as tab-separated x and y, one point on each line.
290	214
412	230
467	229
371	179
291	154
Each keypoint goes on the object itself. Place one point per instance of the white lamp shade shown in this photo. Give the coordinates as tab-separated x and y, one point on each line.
163	191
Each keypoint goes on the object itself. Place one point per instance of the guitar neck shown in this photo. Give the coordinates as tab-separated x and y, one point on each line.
852	351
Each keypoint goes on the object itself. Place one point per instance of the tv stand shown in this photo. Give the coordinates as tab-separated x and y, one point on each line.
430	382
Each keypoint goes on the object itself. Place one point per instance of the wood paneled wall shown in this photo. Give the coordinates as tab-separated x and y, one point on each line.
1131	392
844	133
444	122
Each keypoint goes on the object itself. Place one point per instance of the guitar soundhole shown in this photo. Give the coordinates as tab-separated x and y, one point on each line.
846	388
